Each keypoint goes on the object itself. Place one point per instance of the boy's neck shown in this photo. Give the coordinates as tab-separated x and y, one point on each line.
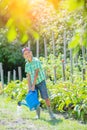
30	60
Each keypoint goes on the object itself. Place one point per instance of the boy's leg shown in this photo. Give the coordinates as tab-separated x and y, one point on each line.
38	107
49	109
44	94
38	112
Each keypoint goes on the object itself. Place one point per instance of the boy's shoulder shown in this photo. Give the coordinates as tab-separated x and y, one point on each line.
26	64
36	59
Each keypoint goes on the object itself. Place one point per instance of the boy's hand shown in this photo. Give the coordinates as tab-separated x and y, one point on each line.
33	88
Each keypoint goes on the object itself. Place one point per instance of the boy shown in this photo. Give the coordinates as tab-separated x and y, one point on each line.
36	78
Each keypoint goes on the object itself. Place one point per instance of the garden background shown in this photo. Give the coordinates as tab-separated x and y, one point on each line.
56	32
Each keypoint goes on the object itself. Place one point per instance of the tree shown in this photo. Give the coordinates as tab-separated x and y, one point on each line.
10	54
22	18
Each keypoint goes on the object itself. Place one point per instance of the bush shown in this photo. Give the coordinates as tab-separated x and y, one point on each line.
65	96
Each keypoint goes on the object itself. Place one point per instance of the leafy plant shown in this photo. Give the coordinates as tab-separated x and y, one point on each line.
64	96
16	90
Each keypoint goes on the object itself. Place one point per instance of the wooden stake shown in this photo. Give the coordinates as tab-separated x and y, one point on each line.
71	65
63	70
1	75
14	75
2	78
53	43
45	47
29	45
20	73
65	47
9	76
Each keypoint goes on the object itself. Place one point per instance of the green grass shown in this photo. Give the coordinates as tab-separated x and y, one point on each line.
10	120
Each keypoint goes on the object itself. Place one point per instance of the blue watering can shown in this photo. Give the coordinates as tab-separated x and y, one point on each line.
31	99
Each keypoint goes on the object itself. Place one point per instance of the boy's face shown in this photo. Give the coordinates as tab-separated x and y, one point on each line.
27	55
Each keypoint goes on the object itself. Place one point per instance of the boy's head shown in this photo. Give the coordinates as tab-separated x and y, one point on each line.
25	49
27	53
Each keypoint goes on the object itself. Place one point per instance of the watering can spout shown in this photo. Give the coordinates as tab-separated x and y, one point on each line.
22	103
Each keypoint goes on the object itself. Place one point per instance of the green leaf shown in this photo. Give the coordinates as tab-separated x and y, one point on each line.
9	23
24	38
11	34
36	35
74	4
75	41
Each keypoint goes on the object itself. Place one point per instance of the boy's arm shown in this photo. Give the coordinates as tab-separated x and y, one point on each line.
35	78
29	81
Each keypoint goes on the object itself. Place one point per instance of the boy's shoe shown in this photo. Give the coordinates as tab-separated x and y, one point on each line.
36	117
52	116
51	113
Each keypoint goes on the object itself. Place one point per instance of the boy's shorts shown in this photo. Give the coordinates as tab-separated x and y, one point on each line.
43	89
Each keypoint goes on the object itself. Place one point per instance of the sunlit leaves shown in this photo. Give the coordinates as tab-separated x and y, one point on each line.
24	38
85	38
75	41
12	34
36	35
73	4
26	17
10	22
68	4
79	39
20	18
55	3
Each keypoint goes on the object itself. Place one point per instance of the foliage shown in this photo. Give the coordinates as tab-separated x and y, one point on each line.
16	13
44	19
19	17
52	62
26	18
70	97
16	90
10	54
65	96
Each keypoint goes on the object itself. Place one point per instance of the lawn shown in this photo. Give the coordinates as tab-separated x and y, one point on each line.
11	119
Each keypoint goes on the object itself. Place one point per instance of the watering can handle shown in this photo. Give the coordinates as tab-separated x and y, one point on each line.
31	91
